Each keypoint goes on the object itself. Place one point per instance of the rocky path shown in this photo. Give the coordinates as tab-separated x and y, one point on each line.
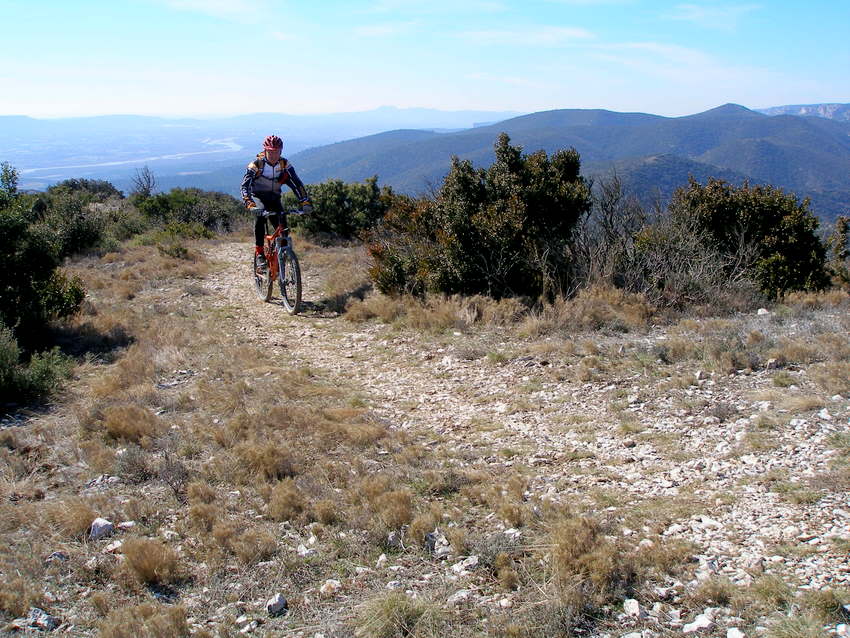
627	442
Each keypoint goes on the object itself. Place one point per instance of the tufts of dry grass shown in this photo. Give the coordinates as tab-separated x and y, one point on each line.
18	595
827	605
592	309
437	312
151	561
131	423
833	377
589	569
796	627
396	614
145	621
286	502
73	517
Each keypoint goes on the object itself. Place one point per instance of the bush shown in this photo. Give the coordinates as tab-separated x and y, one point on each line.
502	231
32	291
789	256
214	211
342	209
90	190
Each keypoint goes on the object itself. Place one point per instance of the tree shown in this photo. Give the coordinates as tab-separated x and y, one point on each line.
500	231
8	184
789	255
144	182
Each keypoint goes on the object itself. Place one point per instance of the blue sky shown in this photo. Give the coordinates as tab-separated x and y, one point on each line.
208	57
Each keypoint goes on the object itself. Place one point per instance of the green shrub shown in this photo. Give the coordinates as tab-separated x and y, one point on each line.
501	231
839	252
788	254
32	291
35	381
89	190
343	209
215	211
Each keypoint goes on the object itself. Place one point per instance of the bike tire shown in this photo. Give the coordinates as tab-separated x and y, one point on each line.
289	278
263	283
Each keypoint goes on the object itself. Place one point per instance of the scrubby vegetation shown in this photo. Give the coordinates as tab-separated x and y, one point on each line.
500	231
76	217
341	209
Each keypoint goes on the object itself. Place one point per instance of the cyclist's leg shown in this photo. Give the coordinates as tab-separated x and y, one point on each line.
259	222
276	213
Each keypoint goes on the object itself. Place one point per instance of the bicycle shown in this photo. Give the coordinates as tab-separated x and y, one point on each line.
282	265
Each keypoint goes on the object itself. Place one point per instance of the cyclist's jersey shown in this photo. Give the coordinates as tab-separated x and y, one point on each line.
262	177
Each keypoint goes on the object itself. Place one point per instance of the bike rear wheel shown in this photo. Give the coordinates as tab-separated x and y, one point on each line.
263	283
289	278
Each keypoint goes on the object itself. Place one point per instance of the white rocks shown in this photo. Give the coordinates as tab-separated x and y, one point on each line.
38	619
395	584
462	568
100	527
632	608
113	547
700	623
126	525
825	415
506	603
330	587
304	551
381	562
460	596
734	632
763	311
57	557
277	605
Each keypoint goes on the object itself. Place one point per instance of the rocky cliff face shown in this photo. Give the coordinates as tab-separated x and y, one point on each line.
840	112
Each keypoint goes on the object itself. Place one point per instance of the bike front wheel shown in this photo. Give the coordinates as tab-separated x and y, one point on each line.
263	282
289	278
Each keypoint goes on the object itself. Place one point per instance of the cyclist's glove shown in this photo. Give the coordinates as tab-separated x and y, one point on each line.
306	206
250	204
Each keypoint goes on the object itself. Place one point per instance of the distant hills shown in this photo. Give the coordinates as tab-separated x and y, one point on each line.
179	149
652	154
804	149
840	112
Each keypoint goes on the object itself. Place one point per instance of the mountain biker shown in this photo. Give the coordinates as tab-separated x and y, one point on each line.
263	179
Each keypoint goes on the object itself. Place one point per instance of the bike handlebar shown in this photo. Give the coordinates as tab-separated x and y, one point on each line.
295	211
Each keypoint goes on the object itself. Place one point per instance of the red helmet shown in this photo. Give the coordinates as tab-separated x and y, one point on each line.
272	142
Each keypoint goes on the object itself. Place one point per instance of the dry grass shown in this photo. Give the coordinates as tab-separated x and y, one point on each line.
145	621
151	561
73	517
437	313
396	614
286	502
18	595
833	377
131	423
589	569
268	447
592	309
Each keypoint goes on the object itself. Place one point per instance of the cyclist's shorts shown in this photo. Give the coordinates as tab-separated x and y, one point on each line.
271	202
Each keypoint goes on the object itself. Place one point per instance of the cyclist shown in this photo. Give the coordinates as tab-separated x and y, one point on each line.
262	182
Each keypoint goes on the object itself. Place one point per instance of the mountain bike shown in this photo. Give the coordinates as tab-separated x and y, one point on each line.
282	266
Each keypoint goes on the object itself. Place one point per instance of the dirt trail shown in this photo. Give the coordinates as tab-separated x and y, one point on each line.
623	442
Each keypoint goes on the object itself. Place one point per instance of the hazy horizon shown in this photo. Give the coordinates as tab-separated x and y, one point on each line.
219	58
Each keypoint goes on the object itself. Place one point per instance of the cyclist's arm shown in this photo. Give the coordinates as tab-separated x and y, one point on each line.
248	184
291	179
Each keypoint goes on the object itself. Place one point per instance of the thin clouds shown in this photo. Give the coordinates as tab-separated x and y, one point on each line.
546	36
436	7
725	18
383	30
228	9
